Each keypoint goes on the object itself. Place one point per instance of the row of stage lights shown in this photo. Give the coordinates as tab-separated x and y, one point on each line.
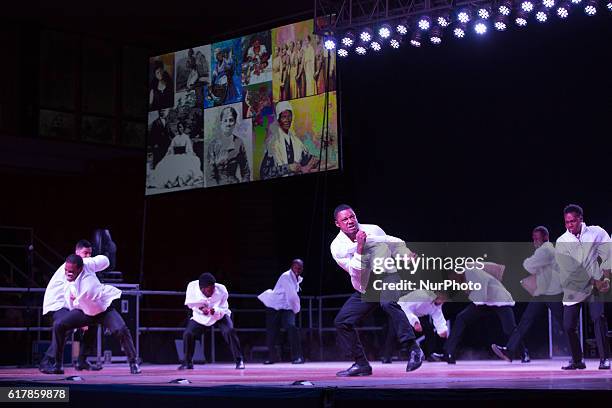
480	18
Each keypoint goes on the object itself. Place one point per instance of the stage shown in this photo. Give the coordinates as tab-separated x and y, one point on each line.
437	383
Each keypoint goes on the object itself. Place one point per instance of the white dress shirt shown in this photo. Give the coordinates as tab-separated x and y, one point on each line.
543	265
195	299
284	296
343	250
427	307
89	295
492	292
578	263
55	294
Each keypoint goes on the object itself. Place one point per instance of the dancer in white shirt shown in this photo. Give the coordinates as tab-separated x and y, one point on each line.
543	268
208	301
283	304
54	304
584	280
89	303
424	312
347	250
491	298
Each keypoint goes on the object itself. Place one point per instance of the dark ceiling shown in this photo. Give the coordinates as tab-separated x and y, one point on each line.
161	26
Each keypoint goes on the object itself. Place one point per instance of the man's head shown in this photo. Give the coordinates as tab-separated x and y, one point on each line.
83	248
73	267
207	284
572	215
297	266
346	220
539	236
284	115
441	297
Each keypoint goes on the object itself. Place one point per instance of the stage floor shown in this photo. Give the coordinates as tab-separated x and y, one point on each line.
537	375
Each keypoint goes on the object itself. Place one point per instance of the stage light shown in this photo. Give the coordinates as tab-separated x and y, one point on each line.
464	15
366	35
505	7
395	42
444	20
459	30
542	15
402	27
563	10
521	18
576	1
590	8
480	27
343	52
415	41
348	39
436	35
361	50
501	23
609	5
548	3
527	6
329	42
424	23
484	12
376	45
384	31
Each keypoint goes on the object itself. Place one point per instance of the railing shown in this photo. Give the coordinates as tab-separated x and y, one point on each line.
312	306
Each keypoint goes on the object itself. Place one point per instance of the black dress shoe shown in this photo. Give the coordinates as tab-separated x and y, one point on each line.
299	360
501	352
525	358
415	358
573	365
356	370
54	369
135	368
435	358
46	364
186	366
604	364
386	360
450	359
268	362
239	364
85	365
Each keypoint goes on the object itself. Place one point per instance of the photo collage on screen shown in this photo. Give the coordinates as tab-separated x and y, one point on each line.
240	110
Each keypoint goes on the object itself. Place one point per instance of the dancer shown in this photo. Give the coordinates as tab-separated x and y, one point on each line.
584	281
543	268
491	298
347	250
208	301
54	303
89	303
421	308
283	304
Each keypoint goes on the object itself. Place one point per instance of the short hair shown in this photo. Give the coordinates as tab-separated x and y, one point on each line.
232	111
75	259
341	207
83	243
573	208
298	261
207	279
541	229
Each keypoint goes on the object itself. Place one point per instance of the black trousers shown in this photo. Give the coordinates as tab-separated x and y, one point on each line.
285	319
88	339
429	345
533	310
110	319
353	311
570	325
470	315
195	330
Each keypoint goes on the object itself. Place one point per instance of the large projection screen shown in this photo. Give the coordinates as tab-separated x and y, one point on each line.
246	109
